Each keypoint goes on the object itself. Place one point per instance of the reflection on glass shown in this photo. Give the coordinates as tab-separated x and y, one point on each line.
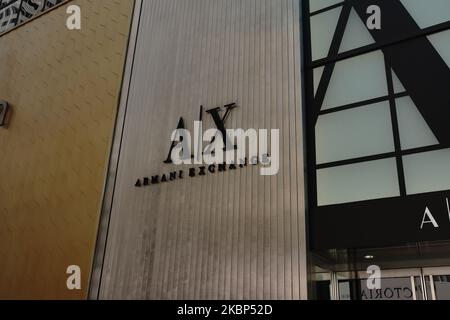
356	132
398	86
317	76
392	289
442	287
345	291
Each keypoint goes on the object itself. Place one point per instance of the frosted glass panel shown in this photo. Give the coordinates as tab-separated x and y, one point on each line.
317	76
354	133
356	34
441	41
414	131
315	5
323	27
358	182
427	172
398	86
357	79
428	12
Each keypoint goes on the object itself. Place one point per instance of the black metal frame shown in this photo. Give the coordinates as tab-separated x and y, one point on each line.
391	221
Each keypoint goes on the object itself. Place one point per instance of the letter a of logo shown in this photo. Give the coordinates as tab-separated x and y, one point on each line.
428	218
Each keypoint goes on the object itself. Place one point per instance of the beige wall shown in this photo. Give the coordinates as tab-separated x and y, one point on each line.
230	235
63	87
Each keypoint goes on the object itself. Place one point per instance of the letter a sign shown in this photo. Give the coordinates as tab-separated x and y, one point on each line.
428	218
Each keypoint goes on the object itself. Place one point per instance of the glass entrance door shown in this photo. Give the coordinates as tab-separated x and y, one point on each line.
404	284
395	285
418	271
437	282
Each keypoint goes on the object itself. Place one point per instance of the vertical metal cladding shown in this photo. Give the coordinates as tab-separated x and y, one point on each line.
229	235
63	89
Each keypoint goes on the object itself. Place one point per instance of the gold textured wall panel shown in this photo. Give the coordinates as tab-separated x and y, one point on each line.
63	87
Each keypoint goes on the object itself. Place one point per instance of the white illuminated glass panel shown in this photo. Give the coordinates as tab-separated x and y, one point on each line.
367	131
354	133
357	79
441	42
427	172
398	86
323	27
356	34
315	5
357	182
414	131
317	76
428	13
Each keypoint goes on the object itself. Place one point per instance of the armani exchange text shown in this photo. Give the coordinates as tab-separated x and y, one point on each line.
193	172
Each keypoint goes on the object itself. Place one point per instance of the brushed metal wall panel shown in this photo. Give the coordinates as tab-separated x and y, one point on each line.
231	235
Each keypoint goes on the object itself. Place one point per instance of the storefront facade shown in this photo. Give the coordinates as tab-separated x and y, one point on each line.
357	90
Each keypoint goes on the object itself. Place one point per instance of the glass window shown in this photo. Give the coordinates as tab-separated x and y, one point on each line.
358	182
378	114
322	30
428	13
357	79
441	42
441	286
398	86
427	172
354	133
414	131
321	4
356	34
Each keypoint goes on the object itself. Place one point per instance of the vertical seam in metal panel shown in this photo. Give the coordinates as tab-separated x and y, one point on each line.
305	91
196	76
235	233
155	274
169	15
100	252
180	257
175	231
